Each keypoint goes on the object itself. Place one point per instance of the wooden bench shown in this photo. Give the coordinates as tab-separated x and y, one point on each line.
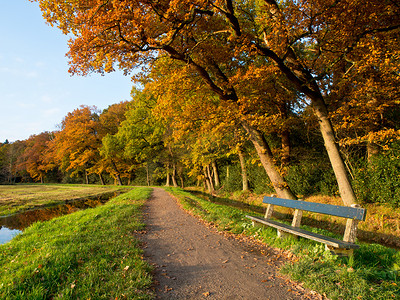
353	214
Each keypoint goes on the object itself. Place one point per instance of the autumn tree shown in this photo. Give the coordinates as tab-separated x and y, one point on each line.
76	145
9	160
109	122
308	41
33	158
200	124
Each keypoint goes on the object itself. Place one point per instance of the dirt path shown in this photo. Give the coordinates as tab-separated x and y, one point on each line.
195	262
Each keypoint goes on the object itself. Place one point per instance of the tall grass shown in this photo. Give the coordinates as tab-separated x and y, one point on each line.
91	254
372	273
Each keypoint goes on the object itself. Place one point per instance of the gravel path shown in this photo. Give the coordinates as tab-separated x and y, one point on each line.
193	261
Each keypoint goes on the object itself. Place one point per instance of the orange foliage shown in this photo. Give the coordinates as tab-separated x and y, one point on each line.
76	145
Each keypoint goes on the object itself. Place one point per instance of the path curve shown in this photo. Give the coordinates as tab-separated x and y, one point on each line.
193	261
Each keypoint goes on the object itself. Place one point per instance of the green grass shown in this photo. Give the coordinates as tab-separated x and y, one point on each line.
90	254
22	197
372	273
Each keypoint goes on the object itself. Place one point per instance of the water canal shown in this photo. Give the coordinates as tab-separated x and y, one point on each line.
14	224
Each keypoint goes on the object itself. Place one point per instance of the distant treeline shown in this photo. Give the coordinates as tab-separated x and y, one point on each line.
138	142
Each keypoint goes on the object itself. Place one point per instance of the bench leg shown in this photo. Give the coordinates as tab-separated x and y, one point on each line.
285	235
339	251
257	224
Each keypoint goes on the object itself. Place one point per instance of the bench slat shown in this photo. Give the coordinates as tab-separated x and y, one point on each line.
306	234
328	209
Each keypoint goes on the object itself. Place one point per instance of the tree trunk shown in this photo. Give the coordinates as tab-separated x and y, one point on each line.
147	175
264	152
338	166
174	176
284	107
285	158
101	179
167	182
208	179
119	181
117	177
216	174
182	182
86	177
245	181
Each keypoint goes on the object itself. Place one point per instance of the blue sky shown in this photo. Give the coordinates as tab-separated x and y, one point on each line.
36	90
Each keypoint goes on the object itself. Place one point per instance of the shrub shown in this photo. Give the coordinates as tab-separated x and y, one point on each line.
379	180
310	178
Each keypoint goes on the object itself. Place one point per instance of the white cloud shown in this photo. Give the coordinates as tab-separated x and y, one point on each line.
51	112
40	64
32	74
25	105
19	60
19	72
47	99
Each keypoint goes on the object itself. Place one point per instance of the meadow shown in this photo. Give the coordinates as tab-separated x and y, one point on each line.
18	198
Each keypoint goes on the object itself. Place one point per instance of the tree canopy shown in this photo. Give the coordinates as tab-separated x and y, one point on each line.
237	73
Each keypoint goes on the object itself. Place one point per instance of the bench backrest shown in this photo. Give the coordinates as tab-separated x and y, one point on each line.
356	213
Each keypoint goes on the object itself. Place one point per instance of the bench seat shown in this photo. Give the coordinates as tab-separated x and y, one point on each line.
353	214
306	234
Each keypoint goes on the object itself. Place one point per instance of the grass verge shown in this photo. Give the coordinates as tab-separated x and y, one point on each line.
90	254
372	273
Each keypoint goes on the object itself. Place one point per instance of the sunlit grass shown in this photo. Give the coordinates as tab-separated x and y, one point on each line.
90	254
17	198
372	273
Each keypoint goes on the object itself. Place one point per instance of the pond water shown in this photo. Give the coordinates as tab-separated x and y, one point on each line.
7	234
12	225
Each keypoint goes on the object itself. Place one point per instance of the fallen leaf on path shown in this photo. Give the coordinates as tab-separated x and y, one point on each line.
167	288
206	294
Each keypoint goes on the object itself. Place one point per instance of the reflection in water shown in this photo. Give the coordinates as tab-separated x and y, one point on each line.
7	234
14	224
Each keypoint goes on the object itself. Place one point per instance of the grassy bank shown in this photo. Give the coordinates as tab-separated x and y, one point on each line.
382	224
91	254
17	198
372	273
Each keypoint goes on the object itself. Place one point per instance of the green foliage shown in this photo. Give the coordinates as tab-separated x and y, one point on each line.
231	177
310	178
88	254
379	180
258	180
